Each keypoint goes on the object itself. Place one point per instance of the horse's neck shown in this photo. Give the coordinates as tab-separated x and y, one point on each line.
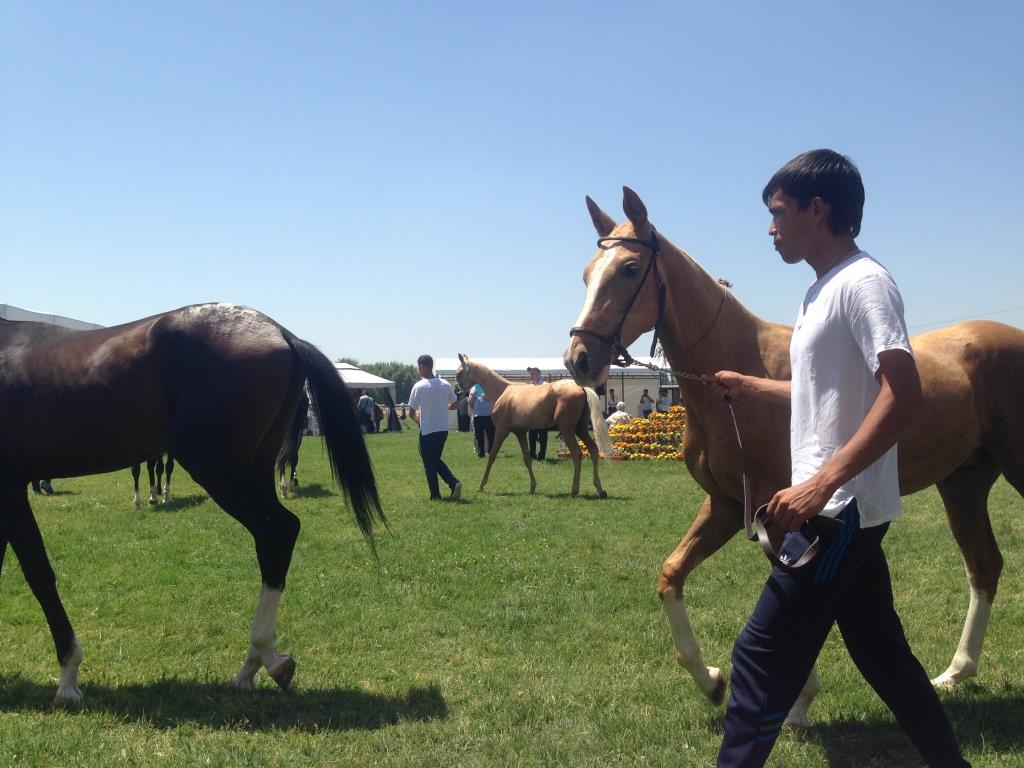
492	383
706	328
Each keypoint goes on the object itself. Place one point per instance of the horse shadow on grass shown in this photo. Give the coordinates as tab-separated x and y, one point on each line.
168	703
311	491
983	719
178	503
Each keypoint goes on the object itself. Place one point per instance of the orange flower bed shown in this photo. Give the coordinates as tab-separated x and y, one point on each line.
658	437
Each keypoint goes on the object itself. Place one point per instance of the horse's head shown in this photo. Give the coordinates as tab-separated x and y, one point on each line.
464	375
623	285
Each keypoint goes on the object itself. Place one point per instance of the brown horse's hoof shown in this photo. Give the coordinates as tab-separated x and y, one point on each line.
718	695
602	494
283	672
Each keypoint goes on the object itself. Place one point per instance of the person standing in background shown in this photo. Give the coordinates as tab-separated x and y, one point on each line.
538	437
483	424
429	402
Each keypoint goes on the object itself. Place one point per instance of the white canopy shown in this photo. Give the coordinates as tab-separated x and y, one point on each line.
357	378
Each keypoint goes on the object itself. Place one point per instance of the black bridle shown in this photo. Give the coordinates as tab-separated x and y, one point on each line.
622	357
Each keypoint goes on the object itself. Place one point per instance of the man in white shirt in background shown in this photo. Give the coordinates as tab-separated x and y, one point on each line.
429	402
620	416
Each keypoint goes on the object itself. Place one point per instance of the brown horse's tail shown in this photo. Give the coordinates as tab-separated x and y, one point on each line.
339	425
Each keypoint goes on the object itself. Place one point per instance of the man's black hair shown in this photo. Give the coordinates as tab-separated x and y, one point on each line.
426	360
826	174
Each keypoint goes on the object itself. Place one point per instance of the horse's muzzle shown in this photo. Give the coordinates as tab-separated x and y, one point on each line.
587	364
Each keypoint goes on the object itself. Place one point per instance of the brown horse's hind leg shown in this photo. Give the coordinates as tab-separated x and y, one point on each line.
965	495
499	438
251	498
19	527
524	446
595	458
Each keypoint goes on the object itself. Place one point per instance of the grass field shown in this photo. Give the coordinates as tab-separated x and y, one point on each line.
502	630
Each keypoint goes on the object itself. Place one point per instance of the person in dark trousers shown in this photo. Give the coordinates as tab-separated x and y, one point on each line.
538	437
854	389
429	402
483	424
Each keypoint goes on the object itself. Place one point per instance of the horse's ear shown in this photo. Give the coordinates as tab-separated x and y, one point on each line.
603	223
636	212
462	358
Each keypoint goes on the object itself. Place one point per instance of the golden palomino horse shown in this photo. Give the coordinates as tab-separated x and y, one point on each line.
969	430
518	408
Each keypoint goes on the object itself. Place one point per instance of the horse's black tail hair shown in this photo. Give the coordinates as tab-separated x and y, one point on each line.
339	425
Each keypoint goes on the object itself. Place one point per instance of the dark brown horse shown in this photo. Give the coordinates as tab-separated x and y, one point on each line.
158	489
217	385
969	431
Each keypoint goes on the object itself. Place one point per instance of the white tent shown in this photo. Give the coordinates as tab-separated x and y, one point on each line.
8	312
357	378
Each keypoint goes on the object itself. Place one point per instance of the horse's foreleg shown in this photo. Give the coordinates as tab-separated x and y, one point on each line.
154	491
136	471
499	438
524	446
21	530
167	485
714	525
965	495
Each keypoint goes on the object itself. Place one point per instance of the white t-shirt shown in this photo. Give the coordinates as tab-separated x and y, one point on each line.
848	316
431	398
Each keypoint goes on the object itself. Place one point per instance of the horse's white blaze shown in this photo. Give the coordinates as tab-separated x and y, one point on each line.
688	652
968	653
594	283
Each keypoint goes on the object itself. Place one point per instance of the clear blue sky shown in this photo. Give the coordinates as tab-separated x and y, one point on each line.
387	179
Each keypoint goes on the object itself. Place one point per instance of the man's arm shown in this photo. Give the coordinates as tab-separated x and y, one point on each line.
415	415
892	412
741	385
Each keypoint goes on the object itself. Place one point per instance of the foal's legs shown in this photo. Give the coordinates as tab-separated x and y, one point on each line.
595	458
500	433
965	495
524	446
19	527
250	498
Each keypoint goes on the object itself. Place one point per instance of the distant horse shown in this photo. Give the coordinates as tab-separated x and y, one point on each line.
289	453
217	385
157	487
968	432
518	408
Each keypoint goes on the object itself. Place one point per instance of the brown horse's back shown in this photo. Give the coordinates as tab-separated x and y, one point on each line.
972	375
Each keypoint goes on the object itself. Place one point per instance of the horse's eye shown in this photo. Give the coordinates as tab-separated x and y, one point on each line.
631	269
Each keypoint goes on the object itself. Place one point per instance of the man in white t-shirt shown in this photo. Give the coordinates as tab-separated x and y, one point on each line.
429	402
854	389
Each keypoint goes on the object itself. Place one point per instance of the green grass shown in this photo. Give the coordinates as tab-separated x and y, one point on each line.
504	630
